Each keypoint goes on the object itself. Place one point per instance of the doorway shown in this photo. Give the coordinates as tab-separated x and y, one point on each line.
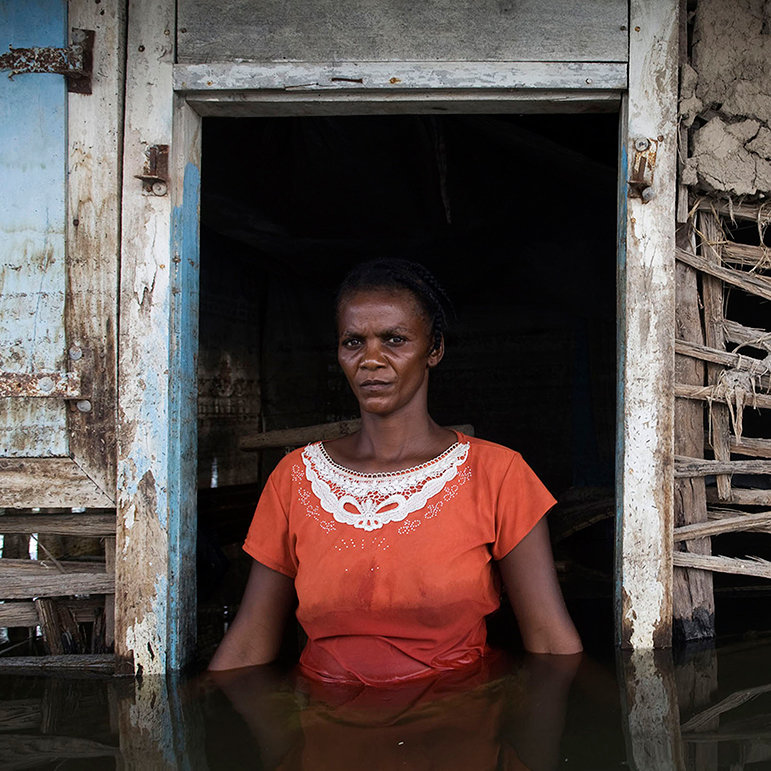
516	217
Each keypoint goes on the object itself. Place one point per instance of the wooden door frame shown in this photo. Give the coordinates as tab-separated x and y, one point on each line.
155	603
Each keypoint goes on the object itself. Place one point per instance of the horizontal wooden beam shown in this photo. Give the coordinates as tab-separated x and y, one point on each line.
756	212
741	497
751	446
322	432
747	566
22	584
27	483
393	78
85	525
707	393
746	255
10	566
760	286
38	750
23	613
751	336
102	663
699	467
725	358
734	524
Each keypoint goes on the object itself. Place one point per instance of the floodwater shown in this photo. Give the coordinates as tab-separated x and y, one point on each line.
710	709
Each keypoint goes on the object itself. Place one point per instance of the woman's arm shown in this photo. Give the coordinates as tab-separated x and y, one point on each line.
254	637
534	592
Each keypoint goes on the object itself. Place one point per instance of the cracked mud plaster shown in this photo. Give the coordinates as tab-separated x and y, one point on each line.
726	97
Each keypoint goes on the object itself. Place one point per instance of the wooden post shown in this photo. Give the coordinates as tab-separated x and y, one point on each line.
646	286
155	545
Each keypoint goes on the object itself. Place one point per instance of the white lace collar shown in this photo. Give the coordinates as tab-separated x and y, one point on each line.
369	501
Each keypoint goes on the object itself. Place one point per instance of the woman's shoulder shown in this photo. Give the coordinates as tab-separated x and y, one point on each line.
490	451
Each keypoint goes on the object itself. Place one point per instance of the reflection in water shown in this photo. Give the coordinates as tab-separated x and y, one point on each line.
708	711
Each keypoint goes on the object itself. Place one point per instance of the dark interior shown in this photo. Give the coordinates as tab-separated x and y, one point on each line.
516	215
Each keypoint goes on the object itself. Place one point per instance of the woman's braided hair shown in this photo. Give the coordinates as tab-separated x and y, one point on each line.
397	274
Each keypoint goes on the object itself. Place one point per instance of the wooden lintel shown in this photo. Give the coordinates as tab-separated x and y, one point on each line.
698	467
751	283
707	393
717	564
734	524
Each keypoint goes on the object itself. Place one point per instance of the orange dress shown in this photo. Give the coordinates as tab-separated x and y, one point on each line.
393	571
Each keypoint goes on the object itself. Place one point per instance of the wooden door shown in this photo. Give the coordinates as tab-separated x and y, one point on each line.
59	226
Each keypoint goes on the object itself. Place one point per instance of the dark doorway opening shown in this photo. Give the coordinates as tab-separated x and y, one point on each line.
514	214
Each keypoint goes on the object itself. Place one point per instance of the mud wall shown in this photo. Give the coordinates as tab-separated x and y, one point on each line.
726	99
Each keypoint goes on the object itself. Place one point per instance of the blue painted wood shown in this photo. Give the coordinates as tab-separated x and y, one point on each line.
33	146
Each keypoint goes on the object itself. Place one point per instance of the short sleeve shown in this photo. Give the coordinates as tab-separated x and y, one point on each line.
522	501
269	540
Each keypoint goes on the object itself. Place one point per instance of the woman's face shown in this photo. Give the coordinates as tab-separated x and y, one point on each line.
383	348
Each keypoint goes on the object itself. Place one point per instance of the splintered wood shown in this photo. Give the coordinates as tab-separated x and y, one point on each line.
723	369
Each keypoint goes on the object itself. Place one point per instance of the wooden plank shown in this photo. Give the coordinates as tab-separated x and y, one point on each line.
707	393
31	751
9	566
32	215
83	525
323	432
21	613
751	446
760	286
754	212
394	77
22	585
698	467
48	483
434	30
155	543
82	663
760	522
742	497
726	359
94	131
749	336
747	255
646	288
749	566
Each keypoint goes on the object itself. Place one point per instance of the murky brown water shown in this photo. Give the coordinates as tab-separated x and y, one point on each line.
709	710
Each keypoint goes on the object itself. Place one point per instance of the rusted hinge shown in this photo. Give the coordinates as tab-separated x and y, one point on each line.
75	62
643	166
65	385
155	176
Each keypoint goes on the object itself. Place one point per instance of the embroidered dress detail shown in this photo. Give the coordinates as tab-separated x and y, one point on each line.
369	501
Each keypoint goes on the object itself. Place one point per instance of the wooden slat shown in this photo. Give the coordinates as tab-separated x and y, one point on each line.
91	525
740	335
727	359
742	497
99	663
747	566
706	393
747	255
21	613
322	432
698	467
31	751
760	213
760	522
21	585
47	567
48	483
751	446
760	286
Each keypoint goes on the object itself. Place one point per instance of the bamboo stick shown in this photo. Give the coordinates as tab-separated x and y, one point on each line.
760	522
744	566
749	282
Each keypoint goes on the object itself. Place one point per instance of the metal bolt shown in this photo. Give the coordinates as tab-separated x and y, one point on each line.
641	144
159	188
84	405
648	194
46	385
76	352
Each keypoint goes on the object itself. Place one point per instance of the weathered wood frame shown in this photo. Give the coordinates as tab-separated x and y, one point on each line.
87	477
156	464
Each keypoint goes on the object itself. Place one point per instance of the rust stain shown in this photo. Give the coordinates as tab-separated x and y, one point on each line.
40	384
394	80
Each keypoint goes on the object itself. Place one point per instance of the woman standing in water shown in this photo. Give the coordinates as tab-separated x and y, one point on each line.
388	536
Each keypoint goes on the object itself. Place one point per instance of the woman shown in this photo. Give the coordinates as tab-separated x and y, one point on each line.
388	535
